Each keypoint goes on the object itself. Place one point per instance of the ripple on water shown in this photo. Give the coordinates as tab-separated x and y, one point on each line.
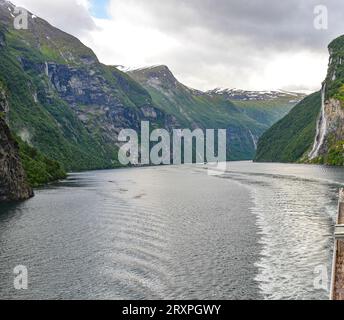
295	220
171	232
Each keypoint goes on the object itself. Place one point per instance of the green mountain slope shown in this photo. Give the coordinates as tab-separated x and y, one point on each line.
266	112
39	169
292	136
63	101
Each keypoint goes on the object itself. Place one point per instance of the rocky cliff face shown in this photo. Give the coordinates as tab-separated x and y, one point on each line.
328	145
101	97
64	102
13	183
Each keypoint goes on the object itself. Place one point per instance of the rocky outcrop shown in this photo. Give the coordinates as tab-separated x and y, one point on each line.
13	183
335	119
328	145
103	98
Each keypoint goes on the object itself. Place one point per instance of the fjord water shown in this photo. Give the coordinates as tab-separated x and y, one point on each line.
260	231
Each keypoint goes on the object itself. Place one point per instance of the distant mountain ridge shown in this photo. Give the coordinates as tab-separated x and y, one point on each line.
245	119
247	95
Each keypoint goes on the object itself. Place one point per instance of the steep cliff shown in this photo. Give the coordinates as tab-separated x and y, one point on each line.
13	182
328	147
64	102
313	132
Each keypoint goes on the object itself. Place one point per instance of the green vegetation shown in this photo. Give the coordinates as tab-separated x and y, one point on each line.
39	169
335	75
291	137
340	94
335	154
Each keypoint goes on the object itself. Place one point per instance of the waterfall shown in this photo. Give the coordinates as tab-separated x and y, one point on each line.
253	140
321	127
46	69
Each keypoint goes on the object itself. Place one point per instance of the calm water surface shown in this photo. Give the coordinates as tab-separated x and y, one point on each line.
257	232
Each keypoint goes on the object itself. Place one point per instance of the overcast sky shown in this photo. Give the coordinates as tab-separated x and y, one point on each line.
247	44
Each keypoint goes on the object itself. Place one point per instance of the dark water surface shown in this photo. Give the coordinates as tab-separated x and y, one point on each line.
258	231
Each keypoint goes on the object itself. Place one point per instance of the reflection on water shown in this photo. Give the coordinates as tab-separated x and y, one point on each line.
259	231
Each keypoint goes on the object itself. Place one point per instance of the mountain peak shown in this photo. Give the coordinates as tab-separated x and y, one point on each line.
159	74
337	44
157	70
159	67
53	43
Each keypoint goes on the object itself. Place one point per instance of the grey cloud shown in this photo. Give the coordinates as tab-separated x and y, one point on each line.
224	42
237	37
66	15
283	24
